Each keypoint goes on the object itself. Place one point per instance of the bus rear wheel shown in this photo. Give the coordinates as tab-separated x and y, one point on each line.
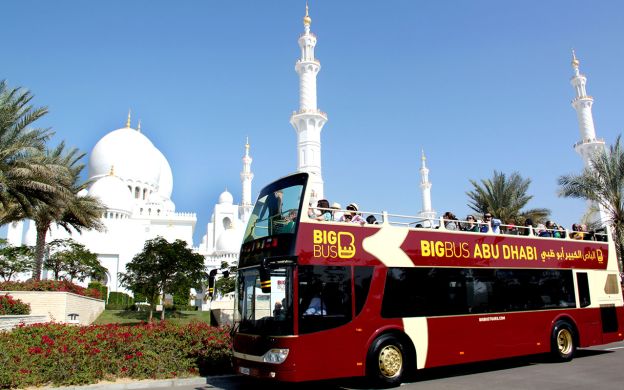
386	361
563	342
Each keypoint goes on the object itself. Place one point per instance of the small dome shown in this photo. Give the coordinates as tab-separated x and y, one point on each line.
113	193
226	198
228	242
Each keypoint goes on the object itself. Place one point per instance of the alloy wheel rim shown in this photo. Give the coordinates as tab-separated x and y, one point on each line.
390	361
564	341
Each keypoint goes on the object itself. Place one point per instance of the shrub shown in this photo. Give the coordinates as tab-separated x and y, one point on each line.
49	285
101	288
58	354
11	306
119	298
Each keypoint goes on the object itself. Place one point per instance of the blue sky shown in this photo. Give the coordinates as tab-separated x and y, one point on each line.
479	85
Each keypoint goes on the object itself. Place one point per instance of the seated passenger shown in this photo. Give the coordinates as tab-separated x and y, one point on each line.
577	233
336	213
316	307
488	221
371	219
470	225
527	230
541	230
352	215
511	229
325	212
450	221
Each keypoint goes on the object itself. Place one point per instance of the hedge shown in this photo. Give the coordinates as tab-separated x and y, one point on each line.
57	354
49	285
101	288
12	306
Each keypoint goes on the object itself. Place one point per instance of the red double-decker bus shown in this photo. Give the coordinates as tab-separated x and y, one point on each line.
319	300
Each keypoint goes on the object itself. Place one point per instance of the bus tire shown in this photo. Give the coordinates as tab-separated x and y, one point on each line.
563	342
386	361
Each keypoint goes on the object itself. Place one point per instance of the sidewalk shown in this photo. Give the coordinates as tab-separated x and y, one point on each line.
129	384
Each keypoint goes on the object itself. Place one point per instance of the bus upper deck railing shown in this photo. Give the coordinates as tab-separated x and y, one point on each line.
461	226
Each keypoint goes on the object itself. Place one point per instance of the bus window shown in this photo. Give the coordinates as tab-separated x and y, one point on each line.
324	297
274	213
583	289
412	292
362	279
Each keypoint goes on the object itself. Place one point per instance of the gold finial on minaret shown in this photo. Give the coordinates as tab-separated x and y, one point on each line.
112	171
575	61
307	20
128	121
139	126
247	143
422	154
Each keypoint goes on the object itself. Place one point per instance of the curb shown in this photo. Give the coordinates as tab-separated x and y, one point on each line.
145	384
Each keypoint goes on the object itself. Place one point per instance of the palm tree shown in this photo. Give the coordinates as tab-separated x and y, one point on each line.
73	210
505	197
24	177
603	183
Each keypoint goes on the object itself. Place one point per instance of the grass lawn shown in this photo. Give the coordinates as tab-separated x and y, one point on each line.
136	317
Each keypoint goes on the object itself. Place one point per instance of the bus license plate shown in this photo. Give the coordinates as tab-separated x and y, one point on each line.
244	370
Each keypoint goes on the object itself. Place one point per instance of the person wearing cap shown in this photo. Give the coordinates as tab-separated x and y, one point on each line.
490	221
352	215
336	213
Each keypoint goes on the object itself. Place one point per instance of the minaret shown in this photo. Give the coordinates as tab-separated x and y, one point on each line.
588	144
425	186
309	120
246	177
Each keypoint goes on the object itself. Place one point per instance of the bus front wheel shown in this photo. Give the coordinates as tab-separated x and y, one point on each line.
563	342
386	361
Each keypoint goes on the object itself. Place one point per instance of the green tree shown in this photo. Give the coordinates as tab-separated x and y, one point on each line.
162	268
603	184
227	282
14	260
505	197
73	212
25	178
74	260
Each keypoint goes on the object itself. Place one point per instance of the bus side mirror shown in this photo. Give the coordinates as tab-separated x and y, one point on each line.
265	281
211	282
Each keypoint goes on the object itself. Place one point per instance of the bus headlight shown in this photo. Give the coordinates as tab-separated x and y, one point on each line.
276	355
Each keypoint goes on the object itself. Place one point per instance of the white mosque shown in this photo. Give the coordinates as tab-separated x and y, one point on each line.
135	182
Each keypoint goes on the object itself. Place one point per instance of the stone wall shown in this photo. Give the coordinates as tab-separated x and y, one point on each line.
58	305
10	322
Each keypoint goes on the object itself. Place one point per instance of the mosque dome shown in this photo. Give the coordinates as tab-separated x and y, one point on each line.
229	241
113	193
131	153
165	182
226	198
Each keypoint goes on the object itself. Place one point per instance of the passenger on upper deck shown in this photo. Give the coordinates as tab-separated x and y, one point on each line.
450	221
577	232
511	228
527	230
323	207
471	225
488	221
336	213
352	215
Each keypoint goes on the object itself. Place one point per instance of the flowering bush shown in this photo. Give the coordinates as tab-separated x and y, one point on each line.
10	306
50	285
59	354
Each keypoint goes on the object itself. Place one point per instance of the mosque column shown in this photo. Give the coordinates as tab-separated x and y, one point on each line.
425	187
246	177
588	145
308	121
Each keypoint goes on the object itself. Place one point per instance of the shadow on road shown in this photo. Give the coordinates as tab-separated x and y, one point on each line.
240	382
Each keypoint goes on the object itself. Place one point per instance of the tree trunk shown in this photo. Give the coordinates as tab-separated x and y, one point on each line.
150	319
39	250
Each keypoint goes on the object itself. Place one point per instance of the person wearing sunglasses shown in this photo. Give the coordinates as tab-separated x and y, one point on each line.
488	221
352	215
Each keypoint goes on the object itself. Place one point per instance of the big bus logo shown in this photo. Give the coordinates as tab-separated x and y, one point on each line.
331	244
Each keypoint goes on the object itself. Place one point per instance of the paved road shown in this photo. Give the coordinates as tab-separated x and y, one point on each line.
597	368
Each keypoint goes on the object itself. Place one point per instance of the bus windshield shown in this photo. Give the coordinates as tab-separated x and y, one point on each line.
265	313
275	212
